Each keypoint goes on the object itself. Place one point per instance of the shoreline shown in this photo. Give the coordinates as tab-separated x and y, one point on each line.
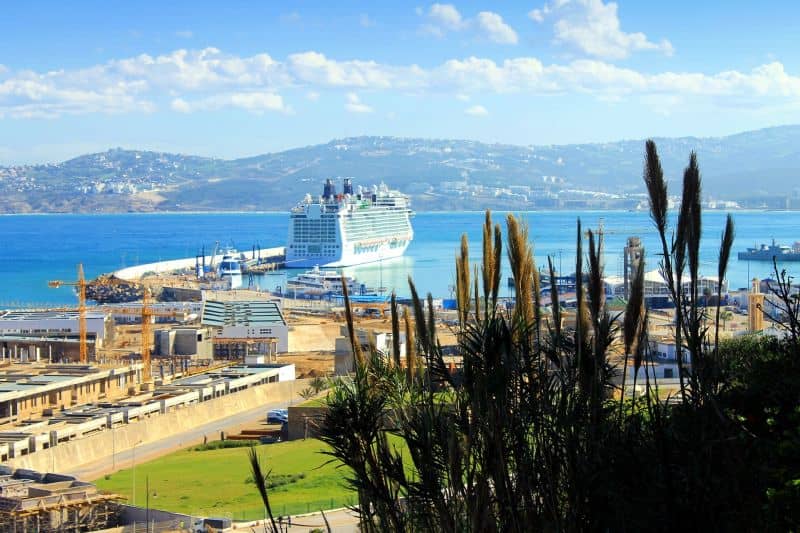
443	211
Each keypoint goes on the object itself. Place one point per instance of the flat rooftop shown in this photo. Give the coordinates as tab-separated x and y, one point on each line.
28	315
242	313
19	380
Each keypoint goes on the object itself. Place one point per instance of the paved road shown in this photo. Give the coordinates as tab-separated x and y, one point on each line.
151	450
340	520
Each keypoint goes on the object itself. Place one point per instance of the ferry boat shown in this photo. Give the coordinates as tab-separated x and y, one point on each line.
317	282
230	269
351	228
766	252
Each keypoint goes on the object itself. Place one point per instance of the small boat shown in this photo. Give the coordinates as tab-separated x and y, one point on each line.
316	283
768	252
230	268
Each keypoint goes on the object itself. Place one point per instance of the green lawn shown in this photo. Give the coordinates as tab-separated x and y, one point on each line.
213	483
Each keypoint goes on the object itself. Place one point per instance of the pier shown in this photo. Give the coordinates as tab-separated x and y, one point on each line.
271	259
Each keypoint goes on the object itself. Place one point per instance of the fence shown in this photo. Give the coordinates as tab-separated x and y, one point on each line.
288	509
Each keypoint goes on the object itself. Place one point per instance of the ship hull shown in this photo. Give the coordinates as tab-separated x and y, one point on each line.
351	257
744	256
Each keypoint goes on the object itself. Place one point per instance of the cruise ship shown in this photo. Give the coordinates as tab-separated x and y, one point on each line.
349	228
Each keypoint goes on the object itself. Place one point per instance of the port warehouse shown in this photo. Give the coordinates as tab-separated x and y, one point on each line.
45	426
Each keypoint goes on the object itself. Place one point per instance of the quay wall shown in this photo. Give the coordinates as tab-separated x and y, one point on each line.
70	455
135	272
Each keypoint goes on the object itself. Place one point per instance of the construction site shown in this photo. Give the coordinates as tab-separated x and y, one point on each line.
50	503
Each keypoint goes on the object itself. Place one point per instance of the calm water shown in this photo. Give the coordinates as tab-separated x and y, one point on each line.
36	248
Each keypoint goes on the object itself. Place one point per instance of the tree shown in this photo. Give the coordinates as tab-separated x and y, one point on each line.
725	316
307	393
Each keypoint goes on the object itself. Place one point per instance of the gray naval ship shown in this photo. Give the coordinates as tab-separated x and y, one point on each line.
768	252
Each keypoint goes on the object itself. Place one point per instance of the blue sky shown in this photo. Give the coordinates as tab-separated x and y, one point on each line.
232	79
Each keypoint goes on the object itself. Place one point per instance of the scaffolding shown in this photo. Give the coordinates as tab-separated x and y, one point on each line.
68	506
238	348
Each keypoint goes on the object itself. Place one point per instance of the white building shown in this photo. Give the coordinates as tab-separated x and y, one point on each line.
53	324
246	320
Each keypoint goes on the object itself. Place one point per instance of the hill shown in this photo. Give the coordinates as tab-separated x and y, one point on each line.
438	173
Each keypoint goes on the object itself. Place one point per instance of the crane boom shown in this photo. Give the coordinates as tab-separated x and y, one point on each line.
147	315
84	349
80	284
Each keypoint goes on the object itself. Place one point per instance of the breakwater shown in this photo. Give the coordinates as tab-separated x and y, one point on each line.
173	265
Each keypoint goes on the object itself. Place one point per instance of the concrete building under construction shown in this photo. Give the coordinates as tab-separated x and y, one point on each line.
50	503
28	391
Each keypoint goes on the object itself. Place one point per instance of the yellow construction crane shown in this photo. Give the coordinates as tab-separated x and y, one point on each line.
147	315
80	283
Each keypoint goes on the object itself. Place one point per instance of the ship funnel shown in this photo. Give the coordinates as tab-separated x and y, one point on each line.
348	186
330	189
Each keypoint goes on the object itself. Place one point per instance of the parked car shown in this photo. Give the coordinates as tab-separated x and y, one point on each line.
277	416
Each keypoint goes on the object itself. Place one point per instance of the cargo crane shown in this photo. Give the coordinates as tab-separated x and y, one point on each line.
80	284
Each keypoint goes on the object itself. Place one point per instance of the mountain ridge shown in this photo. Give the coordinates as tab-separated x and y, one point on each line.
758	162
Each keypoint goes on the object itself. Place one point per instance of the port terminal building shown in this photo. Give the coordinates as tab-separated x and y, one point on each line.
240	328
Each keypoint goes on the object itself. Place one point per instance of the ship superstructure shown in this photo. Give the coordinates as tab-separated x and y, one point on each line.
768	252
349	228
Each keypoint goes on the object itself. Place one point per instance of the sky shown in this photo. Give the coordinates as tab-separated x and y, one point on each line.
233	79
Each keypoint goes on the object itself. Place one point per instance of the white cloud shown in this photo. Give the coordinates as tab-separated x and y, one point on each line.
492	25
354	104
315	68
181	106
476	111
184	34
253	102
593	27
537	15
444	18
198	80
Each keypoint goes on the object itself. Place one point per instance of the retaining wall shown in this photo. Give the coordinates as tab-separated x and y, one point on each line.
305	421
67	456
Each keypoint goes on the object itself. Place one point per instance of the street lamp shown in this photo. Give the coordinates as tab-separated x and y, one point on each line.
134	472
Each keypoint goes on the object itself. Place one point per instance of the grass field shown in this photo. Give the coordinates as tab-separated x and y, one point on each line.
214	482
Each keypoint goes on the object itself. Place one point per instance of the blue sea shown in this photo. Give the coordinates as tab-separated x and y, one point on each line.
38	248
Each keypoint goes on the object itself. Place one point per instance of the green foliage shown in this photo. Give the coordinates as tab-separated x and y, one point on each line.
307	393
531	436
222	444
276	481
